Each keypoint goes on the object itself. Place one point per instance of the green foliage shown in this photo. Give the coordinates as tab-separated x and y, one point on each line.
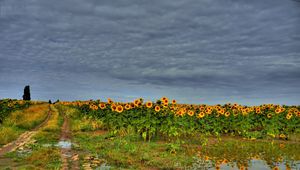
227	119
8	106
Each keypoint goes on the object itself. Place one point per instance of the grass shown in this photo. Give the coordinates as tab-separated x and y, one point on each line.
45	158
131	152
28	118
8	134
20	121
78	122
43	153
54	122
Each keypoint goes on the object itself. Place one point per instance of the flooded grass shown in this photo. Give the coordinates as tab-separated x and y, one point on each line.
130	152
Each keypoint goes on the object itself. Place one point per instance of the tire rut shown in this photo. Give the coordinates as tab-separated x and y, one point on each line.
70	160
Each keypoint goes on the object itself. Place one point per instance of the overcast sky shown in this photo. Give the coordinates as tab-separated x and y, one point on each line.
196	51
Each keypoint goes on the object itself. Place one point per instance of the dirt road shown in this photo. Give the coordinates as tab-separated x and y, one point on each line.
70	159
23	138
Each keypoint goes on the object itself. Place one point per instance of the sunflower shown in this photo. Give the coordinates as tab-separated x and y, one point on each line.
174	101
191	113
102	106
109	101
137	102
93	107
235	112
119	109
208	111
166	101
222	111
257	110
149	104
277	111
275	168
172	108
113	107
201	115
164	98
269	115
181	112
127	106
157	108
227	114
289	116
178	113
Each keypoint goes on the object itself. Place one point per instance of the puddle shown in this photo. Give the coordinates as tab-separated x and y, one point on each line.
249	155
64	144
251	165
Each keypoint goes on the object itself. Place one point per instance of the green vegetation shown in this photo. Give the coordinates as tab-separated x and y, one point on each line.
170	120
144	137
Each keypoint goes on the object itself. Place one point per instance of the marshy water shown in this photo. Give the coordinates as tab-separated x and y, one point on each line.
64	144
252	155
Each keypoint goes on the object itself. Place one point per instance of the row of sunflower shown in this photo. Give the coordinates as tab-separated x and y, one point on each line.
167	118
9	105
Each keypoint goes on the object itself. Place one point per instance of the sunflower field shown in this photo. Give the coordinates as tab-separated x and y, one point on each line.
9	105
167	119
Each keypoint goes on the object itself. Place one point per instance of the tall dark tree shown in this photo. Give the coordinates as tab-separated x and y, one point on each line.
26	95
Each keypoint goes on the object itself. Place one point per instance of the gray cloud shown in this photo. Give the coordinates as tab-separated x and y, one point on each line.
223	51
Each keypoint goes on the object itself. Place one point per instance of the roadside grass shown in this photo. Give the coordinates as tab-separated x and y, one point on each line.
79	122
45	158
8	134
20	121
28	118
43	153
37	159
54	122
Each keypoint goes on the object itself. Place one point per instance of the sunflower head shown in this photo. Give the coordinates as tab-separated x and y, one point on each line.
200	115
157	108
269	115
289	116
102	106
137	102
113	107
127	106
109	101
149	104
191	113
174	101
119	109
227	114
277	111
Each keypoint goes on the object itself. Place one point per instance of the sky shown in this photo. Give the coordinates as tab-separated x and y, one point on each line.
195	51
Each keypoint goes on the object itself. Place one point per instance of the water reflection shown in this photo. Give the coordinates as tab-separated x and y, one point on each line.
64	144
254	155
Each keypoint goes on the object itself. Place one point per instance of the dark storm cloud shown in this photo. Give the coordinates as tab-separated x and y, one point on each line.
195	51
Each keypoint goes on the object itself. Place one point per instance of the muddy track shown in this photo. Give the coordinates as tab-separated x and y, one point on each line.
23	138
70	159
